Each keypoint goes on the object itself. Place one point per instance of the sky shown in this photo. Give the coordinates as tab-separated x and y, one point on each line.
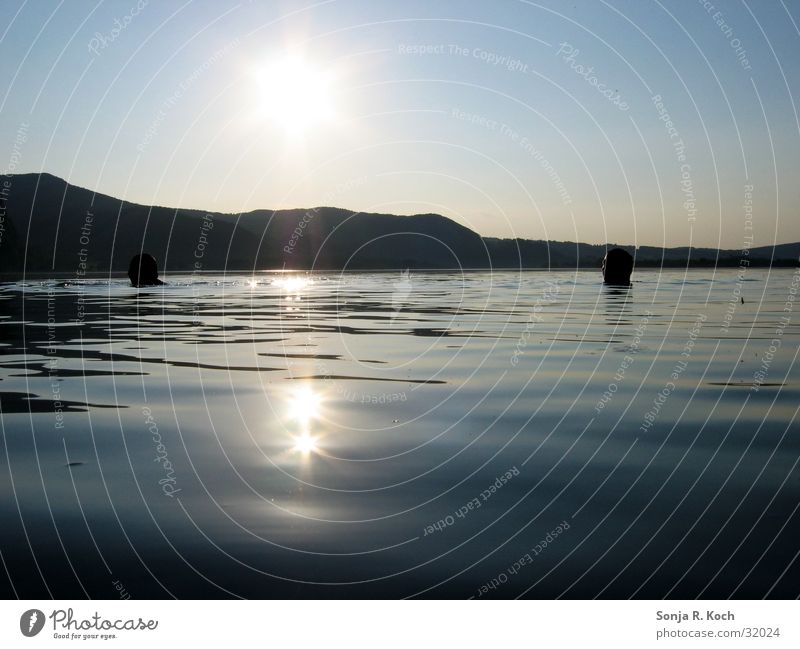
628	121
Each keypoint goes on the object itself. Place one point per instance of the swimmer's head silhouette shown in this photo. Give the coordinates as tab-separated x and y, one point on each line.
617	267
143	271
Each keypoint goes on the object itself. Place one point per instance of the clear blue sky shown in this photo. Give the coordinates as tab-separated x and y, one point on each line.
515	118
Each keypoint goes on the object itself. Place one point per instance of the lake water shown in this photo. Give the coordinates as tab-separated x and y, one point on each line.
487	435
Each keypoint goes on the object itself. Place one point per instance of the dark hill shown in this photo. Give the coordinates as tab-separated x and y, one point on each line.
62	224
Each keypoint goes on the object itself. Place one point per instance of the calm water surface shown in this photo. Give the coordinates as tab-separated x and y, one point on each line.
378	435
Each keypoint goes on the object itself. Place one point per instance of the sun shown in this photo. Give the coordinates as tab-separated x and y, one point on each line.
296	93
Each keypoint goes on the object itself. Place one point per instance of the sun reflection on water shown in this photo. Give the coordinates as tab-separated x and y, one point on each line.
305	444
303	408
304	405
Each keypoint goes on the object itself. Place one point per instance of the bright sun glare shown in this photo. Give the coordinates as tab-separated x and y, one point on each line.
296	93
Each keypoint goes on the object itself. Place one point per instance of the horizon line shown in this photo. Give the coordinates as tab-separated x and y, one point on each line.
607	244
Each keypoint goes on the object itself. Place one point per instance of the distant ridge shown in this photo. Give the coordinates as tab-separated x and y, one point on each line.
71	229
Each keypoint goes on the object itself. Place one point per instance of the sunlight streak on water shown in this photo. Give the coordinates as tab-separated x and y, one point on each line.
293	284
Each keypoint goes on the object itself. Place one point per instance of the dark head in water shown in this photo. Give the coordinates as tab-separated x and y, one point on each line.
617	267
143	271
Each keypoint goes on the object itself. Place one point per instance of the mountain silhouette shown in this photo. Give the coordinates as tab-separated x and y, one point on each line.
50	225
